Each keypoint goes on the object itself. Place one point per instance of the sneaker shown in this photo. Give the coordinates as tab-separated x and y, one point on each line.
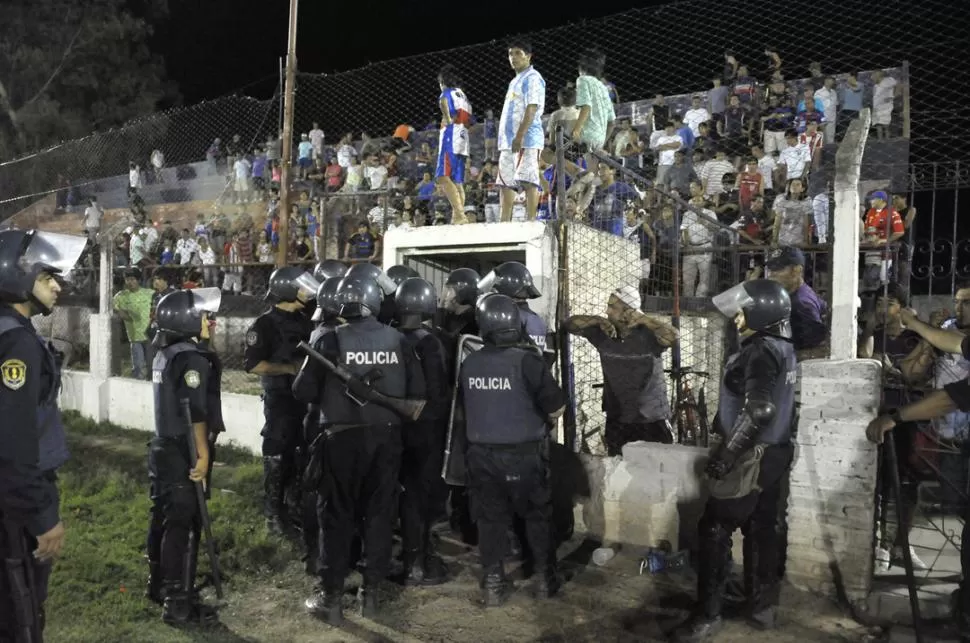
882	562
898	560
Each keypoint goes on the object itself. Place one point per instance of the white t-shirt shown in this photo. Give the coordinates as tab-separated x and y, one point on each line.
376	175
92	217
882	94
623	139
345	155
243	168
316	138
795	158
207	257
185	248
697	233
151	236
694	117
766	165
666	157
829	99
134	178
136	249
565	115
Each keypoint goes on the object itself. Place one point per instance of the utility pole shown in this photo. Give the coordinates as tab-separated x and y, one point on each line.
287	151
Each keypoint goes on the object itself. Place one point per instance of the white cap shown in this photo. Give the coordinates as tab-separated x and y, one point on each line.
629	295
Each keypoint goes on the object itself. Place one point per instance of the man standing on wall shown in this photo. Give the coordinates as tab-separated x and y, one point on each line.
453	146
520	137
630	344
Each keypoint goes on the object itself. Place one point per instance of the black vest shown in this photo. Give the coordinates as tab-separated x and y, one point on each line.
534	326
363	347
315	411
499	408
783	395
52	444
169	421
290	330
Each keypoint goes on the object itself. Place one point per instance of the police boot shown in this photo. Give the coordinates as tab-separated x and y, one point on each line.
273	494
496	587
177	609
705	621
326	604
367	595
154	590
548	582
200	612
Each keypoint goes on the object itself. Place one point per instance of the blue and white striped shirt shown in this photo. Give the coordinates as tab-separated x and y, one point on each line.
527	88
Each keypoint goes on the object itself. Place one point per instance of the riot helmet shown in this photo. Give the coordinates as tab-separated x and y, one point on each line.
461	288
358	297
179	313
25	254
765	303
415	299
499	319
399	273
511	279
373	273
329	268
291	284
327	299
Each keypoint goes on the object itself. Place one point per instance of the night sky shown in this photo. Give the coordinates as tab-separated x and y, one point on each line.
216	47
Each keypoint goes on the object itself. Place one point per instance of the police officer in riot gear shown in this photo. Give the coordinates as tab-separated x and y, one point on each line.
750	456
32	263
271	353
368	271
514	280
399	273
423	441
182	369
329	268
510	399
327	318
362	454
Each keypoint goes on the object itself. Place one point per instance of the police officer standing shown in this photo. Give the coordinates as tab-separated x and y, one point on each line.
423	441
362	453
751	454
32	435
329	268
510	399
271	353
514	280
182	370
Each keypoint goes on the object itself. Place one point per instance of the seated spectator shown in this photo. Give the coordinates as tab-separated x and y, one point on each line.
626	142
301	250
363	245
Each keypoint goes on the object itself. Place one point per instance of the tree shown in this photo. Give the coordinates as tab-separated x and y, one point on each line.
68	68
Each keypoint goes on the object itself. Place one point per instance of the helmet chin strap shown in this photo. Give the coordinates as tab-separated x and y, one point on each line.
37	307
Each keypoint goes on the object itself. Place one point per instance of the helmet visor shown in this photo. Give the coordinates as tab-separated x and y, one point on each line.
388	285
206	300
307	286
57	253
486	283
732	301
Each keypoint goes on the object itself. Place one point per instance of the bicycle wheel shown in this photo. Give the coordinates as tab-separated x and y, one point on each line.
705	425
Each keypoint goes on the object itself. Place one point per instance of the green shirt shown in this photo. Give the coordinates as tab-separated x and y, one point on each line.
138	303
592	92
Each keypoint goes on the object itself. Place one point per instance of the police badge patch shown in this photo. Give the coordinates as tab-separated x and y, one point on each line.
14	374
252	338
192	379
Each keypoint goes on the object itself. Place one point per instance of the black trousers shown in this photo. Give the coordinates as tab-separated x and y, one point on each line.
36	578
175	512
506	481
756	514
616	434
360	486
421	460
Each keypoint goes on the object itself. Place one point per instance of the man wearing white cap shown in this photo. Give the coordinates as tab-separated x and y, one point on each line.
634	390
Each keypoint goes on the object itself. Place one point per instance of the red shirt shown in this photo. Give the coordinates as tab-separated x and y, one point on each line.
750	186
814	142
876	222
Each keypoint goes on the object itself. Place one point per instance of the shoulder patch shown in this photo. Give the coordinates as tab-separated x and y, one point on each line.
252	338
192	379
13	373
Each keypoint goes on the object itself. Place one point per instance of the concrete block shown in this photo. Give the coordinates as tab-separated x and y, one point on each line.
662	458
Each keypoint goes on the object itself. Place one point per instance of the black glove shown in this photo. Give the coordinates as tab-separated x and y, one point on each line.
717	468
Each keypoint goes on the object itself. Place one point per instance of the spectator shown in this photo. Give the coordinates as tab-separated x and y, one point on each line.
596	120
750	184
492	207
821	206
259	174
684	132
809	116
401	139
646	238
163	283
713	174
274	148
233	281
793	161
696	115
234	148
883	101
137	252
134	176
627	145
707	140
243	169
157	162
151	239
301	249
664	148
362	245
213	155
817	79
334	174
793	216
850	99
374	172
92	219
717	99
813	140
659	114
346	152
810	100
134	305
207	258
453	145
520	131
186	248
830	108
630	345
611	201
316	141
304	155
423	159
766	166
264	250
678	176
881	227
666	234
774	123
745	86
697	229
786	265
698	161
491	137
735	127
566	115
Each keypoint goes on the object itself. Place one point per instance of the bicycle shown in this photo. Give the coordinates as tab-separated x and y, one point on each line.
690	411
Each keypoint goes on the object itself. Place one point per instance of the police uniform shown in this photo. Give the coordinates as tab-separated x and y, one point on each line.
273	338
362	453
423	440
508	395
182	370
754	421
32	434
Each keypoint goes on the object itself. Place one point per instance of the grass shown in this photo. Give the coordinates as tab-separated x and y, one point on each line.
97	587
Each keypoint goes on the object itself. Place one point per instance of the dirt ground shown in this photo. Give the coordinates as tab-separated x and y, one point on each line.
603	604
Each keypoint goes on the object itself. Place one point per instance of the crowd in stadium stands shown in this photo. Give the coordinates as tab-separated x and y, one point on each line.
746	153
